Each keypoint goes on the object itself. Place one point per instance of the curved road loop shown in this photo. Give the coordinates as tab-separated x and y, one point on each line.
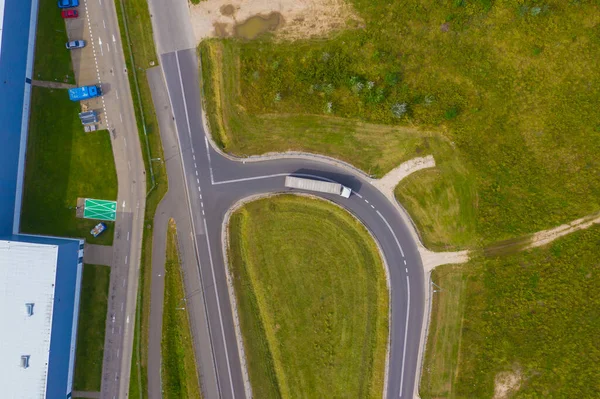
212	183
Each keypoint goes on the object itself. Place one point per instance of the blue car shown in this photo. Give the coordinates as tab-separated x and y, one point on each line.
68	3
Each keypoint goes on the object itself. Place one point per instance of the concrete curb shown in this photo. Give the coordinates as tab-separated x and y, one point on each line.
225	248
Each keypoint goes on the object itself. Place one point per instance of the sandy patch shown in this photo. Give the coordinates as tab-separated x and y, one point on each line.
299	18
393	177
547	236
506	383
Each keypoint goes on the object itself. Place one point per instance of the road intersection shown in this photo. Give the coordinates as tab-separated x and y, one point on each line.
203	185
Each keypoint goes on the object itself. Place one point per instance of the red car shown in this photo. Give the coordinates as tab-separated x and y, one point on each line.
69	14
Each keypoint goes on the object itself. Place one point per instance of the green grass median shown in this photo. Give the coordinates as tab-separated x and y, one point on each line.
91	328
64	163
179	372
312	299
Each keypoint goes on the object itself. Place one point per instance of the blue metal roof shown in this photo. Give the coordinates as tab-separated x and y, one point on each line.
13	63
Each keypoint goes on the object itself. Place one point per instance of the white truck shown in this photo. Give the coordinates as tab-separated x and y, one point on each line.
317	185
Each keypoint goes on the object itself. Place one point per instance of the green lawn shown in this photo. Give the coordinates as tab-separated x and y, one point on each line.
91	328
52	59
503	95
312	299
534	313
64	163
179	373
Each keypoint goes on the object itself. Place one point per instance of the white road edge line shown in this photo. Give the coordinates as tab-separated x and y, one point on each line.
193	231
405	334
212	269
212	180
187	116
407	304
392	231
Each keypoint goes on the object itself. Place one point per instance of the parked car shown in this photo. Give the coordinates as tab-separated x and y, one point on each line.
69	14
98	229
75	44
68	3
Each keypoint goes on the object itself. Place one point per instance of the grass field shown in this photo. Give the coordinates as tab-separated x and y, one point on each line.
534	314
137	16
52	59
179	373
243	133
64	163
312	299
91	328
501	93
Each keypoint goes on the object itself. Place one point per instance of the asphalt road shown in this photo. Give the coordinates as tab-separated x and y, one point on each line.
102	62
203	185
213	183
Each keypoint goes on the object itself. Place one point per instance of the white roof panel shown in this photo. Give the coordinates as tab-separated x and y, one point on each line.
27	275
313	185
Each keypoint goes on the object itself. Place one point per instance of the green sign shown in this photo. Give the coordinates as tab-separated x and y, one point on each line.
100	209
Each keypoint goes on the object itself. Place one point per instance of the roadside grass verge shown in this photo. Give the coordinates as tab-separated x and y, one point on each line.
445	329
507	83
52	60
373	148
179	373
313	309
64	163
137	16
91	328
533	314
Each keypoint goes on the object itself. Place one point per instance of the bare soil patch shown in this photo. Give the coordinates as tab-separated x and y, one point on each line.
547	236
298	18
506	383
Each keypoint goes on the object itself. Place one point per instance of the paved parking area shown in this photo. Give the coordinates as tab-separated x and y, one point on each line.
85	63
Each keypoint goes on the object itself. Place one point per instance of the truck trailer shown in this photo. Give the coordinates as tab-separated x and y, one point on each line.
84	93
317	185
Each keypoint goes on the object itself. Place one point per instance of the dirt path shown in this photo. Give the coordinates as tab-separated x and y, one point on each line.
388	183
547	236
392	178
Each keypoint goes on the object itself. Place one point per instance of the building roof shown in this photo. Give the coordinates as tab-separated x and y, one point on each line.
17	39
27	275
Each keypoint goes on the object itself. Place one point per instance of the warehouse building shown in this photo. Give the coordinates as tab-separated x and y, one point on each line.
40	283
40	277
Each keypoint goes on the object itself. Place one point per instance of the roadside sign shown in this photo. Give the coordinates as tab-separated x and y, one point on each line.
100	209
